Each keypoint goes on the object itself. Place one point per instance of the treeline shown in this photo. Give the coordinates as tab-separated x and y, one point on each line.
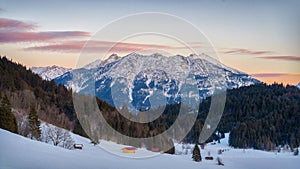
259	116
112	124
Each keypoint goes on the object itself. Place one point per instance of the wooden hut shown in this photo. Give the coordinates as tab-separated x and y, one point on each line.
128	150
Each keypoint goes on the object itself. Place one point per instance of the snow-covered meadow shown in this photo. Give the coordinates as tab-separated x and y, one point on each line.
18	152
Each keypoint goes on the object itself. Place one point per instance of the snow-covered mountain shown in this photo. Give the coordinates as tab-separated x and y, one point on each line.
298	85
140	76
50	72
99	62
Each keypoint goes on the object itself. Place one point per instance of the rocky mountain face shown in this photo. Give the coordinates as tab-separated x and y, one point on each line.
50	72
134	79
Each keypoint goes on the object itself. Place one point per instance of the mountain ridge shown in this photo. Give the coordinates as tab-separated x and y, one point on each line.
50	72
141	75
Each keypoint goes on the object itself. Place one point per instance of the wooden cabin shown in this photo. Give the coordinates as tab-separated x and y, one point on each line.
209	158
155	149
78	146
128	150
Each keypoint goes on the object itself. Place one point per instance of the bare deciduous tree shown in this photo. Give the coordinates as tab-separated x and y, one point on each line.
23	126
58	137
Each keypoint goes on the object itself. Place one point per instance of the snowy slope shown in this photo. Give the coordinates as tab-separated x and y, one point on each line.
18	152
139	76
298	85
99	63
50	72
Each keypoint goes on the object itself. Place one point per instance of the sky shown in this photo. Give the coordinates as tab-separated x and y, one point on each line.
260	38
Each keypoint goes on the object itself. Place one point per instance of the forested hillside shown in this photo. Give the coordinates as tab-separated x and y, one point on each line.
26	90
259	116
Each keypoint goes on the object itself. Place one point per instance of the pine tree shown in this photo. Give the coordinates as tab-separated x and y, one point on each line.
7	119
196	154
34	124
296	152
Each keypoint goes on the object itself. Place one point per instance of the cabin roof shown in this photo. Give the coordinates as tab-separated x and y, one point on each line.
129	148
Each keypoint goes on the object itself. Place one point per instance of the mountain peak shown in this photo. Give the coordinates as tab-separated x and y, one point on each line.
298	85
99	62
113	56
140	75
50	72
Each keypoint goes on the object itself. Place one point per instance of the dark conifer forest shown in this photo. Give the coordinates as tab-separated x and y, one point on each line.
27	91
259	116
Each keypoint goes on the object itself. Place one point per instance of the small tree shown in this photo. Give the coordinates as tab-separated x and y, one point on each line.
196	154
67	141
34	124
7	119
23	126
296	152
59	137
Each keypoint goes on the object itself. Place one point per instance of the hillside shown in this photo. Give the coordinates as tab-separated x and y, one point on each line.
27	90
258	116
22	153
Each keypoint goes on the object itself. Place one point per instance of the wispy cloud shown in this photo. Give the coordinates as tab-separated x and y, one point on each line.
102	46
261	54
8	37
97	46
245	51
268	75
16	25
287	58
12	31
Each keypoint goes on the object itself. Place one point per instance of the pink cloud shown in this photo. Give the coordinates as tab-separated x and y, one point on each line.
11	24
102	46
245	51
97	46
8	36
287	58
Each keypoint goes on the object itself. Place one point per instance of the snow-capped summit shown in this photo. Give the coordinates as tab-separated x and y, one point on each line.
50	72
141	75
98	63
